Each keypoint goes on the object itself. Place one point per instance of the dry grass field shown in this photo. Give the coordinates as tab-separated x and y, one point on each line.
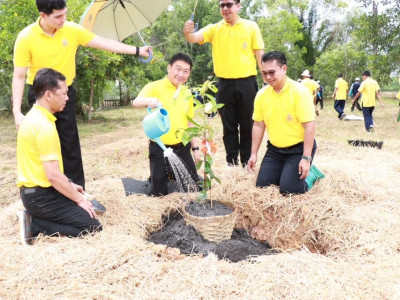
341	240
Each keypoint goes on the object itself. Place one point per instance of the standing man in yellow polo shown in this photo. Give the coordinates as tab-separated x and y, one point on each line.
52	42
340	96
368	88
285	108
171	94
237	47
312	86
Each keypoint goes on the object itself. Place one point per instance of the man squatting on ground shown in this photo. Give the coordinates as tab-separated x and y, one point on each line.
286	109
54	205
52	42
368	89
177	99
237	47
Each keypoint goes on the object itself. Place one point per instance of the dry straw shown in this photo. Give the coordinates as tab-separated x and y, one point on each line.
339	241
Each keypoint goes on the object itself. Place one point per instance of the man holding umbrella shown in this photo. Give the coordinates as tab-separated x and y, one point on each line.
52	42
237	47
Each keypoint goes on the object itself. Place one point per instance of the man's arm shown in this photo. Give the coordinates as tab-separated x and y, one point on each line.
141	102
356	97
258	53
18	84
309	133
334	93
61	183
190	36
99	42
378	95
257	137
194	143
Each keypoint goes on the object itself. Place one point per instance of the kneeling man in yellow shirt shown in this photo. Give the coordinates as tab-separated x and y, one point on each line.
286	109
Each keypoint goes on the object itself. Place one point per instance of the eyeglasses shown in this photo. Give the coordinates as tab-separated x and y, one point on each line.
228	5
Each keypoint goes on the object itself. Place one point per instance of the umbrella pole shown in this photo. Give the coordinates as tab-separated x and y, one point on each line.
150	54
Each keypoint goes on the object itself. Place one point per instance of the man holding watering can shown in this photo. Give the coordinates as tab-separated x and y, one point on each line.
177	100
237	47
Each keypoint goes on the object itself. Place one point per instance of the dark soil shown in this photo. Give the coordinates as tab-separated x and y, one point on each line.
176	234
203	209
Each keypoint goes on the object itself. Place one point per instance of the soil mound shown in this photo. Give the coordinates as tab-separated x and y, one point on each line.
176	234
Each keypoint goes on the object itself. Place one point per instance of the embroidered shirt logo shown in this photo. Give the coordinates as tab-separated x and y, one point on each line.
65	43
244	46
289	117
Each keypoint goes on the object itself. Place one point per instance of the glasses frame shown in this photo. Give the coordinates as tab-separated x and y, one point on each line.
228	5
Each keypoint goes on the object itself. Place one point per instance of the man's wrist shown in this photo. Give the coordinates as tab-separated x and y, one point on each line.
195	148
307	158
137	51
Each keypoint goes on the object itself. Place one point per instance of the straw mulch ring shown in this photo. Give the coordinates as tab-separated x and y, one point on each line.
341	240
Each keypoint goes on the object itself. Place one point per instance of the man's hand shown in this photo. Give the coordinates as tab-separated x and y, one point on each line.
88	206
251	164
304	168
196	156
145	51
18	119
154	103
188	27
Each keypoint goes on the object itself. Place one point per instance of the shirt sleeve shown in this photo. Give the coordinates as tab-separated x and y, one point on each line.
208	33
84	36
22	54
48	145
257	113
147	91
258	42
305	107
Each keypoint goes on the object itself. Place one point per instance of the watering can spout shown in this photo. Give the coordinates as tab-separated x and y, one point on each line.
155	124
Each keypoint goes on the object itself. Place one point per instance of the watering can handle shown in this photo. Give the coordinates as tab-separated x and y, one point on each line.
149	108
145	61
197	24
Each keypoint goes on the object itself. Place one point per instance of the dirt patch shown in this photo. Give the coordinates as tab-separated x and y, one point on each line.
203	209
176	234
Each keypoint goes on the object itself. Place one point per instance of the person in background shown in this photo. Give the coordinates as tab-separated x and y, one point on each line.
311	86
177	99
369	88
54	204
320	95
353	91
340	96
286	110
52	42
237	47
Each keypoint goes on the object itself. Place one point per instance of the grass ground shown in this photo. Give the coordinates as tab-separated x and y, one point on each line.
341	240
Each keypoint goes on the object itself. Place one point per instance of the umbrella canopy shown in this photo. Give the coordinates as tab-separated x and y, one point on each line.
119	19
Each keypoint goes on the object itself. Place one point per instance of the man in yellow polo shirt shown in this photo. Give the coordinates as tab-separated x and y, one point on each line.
340	96
311	86
285	108
54	205
237	47
368	89
51	42
171	94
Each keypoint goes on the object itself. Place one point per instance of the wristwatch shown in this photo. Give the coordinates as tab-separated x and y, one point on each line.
307	158
195	148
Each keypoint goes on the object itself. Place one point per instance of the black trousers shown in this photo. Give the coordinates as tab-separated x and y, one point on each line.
160	167
69	137
236	115
280	166
54	213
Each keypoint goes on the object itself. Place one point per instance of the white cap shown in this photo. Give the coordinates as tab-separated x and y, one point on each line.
357	79
318	81
306	73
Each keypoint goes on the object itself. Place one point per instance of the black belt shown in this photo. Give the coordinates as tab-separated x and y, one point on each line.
30	190
286	148
174	146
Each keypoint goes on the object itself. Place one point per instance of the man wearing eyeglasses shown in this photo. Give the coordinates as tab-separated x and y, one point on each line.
237	47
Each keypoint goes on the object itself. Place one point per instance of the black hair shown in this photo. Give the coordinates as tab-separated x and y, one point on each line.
46	79
366	73
181	56
340	75
47	6
274	55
